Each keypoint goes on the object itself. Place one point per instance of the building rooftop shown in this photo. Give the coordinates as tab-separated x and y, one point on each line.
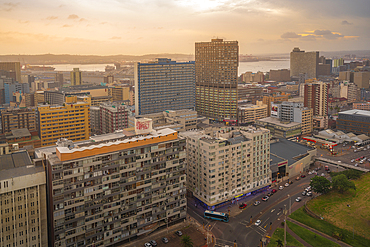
276	121
16	165
288	150
19	133
356	112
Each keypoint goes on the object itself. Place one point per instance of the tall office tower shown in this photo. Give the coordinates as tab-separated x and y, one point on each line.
164	85
59	79
54	97
109	79
12	67
18	118
216	77
316	96
76	77
23	201
113	116
70	120
235	162
304	62
114	188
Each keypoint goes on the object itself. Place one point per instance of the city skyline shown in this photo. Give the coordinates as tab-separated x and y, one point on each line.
142	27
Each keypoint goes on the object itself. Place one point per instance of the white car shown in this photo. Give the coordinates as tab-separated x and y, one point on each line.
147	245
322	175
286	184
258	222
356	164
309	173
308	188
361	162
339	161
298	199
352	160
281	187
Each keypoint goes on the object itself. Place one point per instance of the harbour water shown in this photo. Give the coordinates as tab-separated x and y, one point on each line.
263	66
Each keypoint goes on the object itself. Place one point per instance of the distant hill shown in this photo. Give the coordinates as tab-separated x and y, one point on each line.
46	59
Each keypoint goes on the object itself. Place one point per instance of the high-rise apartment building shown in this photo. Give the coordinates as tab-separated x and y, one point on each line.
14	67
113	116
268	100
216	76
76	77
18	118
316	95
233	163
362	79
71	120
114	188
59	79
95	120
22	201
164	85
302	62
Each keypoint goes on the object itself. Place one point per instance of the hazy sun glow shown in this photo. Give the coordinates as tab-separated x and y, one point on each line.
202	5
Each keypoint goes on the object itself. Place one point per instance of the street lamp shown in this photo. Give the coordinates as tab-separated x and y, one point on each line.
353	224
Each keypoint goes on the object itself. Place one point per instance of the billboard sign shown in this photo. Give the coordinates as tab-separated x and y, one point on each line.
143	125
274	110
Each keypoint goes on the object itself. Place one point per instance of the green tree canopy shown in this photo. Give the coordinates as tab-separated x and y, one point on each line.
279	243
342	184
186	241
320	184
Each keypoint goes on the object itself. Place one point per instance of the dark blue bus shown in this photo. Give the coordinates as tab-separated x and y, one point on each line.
216	216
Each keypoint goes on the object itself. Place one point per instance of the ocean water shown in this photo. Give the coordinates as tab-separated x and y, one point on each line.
264	66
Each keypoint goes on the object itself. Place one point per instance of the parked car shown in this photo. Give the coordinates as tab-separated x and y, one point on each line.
309	193
256	203
309	173
286	184
178	233
258	222
153	243
298	199
265	198
303	176
274	191
356	164
322	175
304	193
290	182
243	205
147	245
165	240
308	188
269	194
352	160
281	187
297	178
328	171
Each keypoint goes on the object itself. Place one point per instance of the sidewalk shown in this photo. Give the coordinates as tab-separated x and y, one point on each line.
297	237
319	233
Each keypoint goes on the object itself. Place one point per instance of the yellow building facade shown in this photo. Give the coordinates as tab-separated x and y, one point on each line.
68	121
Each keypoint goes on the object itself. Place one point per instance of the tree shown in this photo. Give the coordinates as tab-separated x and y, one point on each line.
342	184
186	241
279	243
320	184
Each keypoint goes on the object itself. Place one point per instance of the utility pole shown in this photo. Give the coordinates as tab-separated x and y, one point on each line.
285	211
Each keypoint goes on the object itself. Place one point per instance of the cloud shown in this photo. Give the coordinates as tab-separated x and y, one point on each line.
346	23
327	34
66	25
290	35
82	19
115	37
8	6
24	22
73	17
52	17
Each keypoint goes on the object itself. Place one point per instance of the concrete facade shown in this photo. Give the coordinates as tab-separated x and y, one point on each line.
302	62
250	113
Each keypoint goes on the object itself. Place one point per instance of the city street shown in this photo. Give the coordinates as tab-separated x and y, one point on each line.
240	229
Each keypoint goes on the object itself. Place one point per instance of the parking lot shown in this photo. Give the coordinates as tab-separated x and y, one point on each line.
346	154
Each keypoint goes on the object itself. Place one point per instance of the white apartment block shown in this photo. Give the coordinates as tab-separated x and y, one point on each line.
231	163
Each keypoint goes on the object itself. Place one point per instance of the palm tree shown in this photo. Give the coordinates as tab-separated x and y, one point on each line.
279	243
186	241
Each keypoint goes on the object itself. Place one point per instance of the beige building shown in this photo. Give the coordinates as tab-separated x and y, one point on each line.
216	79
279	75
350	91
228	165
268	100
14	68
76	77
304	115
253	77
302	62
250	113
120	93
18	118
180	120
38	98
362	106
361	79
22	202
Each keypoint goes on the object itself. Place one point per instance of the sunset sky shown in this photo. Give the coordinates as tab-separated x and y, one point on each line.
136	27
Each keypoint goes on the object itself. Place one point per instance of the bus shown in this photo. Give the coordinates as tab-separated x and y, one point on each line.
216	216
